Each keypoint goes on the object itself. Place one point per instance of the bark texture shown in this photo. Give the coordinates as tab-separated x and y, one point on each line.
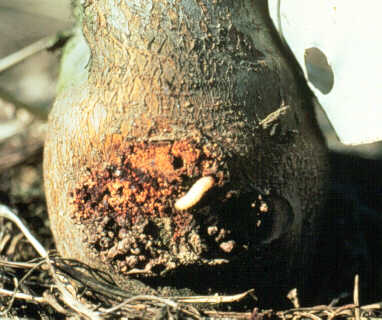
176	91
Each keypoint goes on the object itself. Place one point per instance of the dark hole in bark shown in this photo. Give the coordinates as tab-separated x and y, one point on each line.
151	229
177	163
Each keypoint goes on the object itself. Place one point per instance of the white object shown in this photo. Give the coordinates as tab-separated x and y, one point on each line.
338	45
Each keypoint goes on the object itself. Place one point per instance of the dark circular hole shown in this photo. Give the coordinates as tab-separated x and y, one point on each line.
151	229
177	163
158	269
320	73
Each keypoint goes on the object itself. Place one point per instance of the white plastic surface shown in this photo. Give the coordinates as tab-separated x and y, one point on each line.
338	44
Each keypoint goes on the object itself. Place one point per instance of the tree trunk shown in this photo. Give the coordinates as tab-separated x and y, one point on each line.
189	150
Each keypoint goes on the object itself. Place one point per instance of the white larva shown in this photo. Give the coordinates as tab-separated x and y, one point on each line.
196	192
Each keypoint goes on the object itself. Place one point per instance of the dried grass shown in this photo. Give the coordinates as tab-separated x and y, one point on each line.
75	290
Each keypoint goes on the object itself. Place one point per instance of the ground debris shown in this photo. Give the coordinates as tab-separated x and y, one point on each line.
62	288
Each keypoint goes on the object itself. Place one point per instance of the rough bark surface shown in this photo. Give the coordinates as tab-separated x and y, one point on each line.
176	91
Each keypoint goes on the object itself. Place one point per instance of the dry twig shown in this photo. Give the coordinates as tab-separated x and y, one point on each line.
40	45
7	213
273	116
356	297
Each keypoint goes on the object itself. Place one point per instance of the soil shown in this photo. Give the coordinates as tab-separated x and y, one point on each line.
349	242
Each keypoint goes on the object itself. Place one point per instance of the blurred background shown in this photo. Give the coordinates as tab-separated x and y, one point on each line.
23	22
351	236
